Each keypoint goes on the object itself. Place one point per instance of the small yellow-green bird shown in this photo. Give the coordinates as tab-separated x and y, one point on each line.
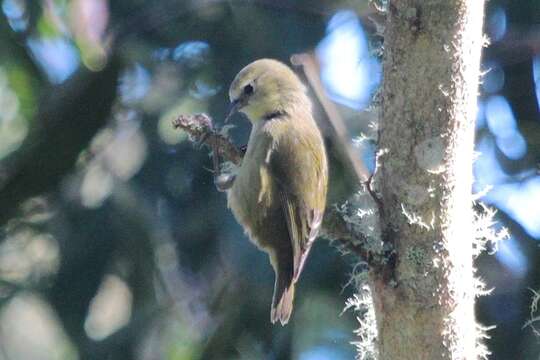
279	192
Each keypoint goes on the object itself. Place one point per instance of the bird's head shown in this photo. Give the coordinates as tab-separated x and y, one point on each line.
264	88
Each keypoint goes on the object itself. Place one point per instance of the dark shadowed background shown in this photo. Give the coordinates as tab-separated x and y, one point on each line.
115	243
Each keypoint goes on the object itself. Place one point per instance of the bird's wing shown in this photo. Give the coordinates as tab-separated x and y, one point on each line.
303	224
301	189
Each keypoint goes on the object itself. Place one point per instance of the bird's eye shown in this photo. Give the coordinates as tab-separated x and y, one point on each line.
248	89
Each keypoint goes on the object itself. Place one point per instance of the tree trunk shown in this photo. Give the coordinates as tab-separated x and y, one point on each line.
425	307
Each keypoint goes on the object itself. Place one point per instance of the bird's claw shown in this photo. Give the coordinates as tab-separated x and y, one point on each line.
202	140
224	182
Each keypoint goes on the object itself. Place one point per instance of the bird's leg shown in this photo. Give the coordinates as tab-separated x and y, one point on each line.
222	182
203	139
243	149
215	156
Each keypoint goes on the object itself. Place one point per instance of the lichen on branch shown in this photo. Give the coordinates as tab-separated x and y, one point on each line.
201	130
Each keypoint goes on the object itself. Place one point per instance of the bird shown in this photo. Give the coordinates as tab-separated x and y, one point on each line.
279	191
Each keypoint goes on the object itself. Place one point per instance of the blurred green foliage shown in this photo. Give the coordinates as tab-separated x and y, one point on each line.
115	243
114	238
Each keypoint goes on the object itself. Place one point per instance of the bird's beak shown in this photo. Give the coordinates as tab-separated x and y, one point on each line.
233	108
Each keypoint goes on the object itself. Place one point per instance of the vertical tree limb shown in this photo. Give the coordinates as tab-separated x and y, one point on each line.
431	71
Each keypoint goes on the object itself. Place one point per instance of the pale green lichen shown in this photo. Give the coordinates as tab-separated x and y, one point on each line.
380	5
482	352
411	13
429	155
415	219
362	305
362	217
417	256
534	318
487	236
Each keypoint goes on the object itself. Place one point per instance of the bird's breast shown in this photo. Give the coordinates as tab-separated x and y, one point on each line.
251	196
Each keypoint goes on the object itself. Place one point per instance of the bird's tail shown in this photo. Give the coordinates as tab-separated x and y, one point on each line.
282	309
282	302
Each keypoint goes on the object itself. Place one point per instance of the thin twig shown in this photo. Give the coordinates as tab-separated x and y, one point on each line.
200	129
309	65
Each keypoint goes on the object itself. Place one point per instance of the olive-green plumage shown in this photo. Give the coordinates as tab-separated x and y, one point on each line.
279	192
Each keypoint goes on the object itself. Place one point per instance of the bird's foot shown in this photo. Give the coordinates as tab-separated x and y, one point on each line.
224	182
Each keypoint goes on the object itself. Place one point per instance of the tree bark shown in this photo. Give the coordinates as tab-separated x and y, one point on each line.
425	308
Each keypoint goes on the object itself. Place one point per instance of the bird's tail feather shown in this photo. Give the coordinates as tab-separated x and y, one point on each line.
282	304
282	301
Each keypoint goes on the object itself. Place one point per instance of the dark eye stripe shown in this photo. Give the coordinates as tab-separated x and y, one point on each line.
248	89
